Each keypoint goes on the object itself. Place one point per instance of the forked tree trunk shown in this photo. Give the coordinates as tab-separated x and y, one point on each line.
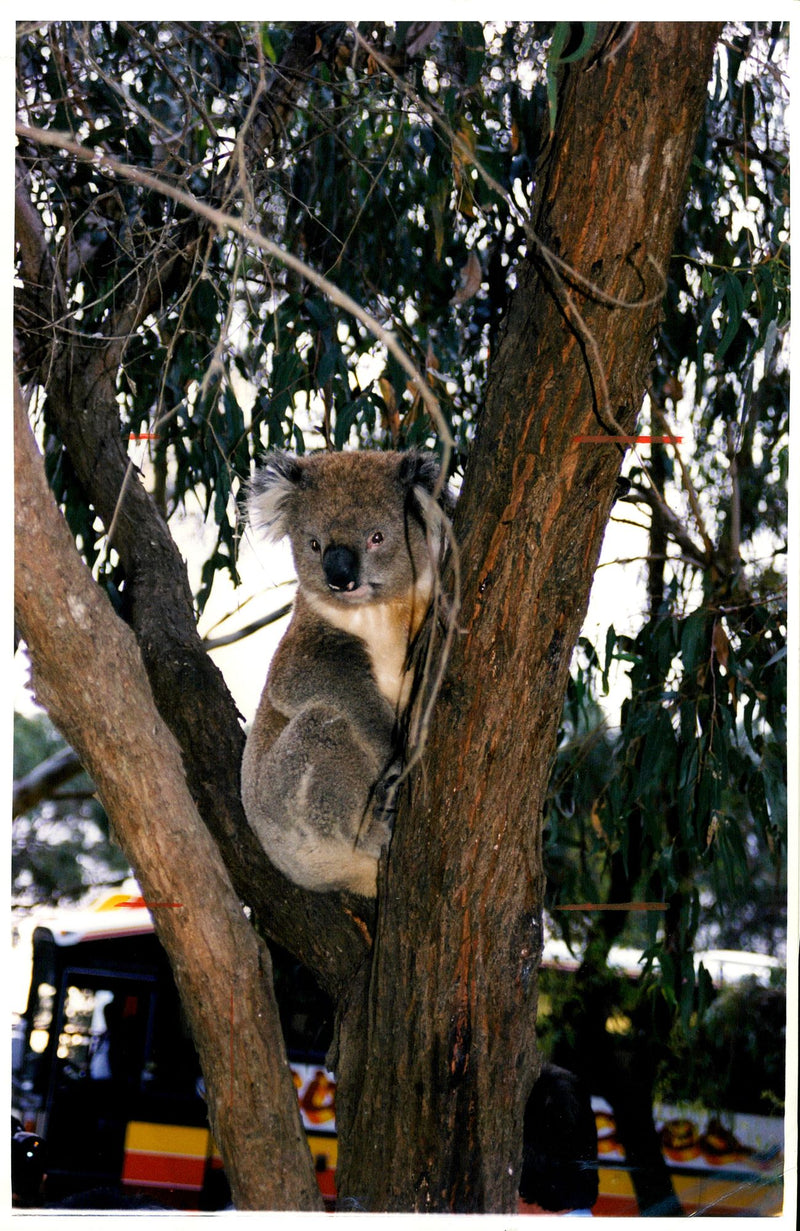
437	1048
438	1055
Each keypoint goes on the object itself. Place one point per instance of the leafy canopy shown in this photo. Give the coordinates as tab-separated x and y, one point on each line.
367	142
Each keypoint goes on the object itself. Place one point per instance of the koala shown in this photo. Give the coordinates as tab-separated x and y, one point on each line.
325	749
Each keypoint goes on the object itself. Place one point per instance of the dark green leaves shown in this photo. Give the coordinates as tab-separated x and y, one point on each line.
734	304
686	796
564	51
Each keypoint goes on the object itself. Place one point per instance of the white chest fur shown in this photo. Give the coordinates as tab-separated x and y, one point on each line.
386	630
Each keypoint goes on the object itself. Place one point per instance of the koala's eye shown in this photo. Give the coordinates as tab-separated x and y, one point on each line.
314	545
375	539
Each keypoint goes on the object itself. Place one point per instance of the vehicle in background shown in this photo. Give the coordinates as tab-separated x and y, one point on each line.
106	1075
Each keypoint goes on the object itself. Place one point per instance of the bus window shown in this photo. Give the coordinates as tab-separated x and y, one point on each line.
104	1034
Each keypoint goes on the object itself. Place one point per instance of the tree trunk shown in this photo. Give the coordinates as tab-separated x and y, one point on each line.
88	672
630	1093
438	1057
437	1047
622	1070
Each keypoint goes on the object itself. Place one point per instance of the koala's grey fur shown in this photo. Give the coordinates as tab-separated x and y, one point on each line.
323	749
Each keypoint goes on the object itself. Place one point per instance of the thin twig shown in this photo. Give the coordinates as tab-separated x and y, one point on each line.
694	503
239	634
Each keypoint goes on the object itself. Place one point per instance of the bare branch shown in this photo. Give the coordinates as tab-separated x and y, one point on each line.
694	504
675	527
214	643
43	780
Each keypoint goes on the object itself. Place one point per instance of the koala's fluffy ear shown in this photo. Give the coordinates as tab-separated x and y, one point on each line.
269	492
419	471
419	468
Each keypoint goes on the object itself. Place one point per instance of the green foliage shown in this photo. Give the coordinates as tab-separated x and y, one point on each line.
62	846
684	802
733	1060
727	305
736	1060
363	182
683	805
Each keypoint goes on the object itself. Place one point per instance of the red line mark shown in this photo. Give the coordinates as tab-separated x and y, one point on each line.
627	440
144	436
615	906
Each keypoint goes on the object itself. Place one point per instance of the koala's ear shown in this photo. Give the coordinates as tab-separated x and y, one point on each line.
419	468
269	493
419	471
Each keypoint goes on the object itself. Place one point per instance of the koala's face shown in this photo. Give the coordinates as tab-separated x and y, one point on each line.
355	520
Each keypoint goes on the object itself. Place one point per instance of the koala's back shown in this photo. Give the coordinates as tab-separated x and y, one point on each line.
324	743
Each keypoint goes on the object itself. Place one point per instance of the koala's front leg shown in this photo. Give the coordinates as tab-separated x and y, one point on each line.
318	665
310	801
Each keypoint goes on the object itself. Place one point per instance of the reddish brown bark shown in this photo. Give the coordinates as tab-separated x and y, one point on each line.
435	1075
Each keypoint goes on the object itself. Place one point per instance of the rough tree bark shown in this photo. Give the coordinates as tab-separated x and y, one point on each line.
222	969
330	933
438	1058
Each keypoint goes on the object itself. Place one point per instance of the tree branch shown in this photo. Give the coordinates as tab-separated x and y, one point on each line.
42	781
275	100
82	652
463	890
214	643
39	302
187	686
670	520
226	222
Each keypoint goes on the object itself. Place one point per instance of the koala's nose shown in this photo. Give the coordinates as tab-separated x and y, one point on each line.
340	566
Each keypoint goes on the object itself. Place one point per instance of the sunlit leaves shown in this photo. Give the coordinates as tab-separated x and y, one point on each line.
365	180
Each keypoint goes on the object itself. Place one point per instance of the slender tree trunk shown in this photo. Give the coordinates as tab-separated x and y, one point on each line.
630	1091
103	705
439	1055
